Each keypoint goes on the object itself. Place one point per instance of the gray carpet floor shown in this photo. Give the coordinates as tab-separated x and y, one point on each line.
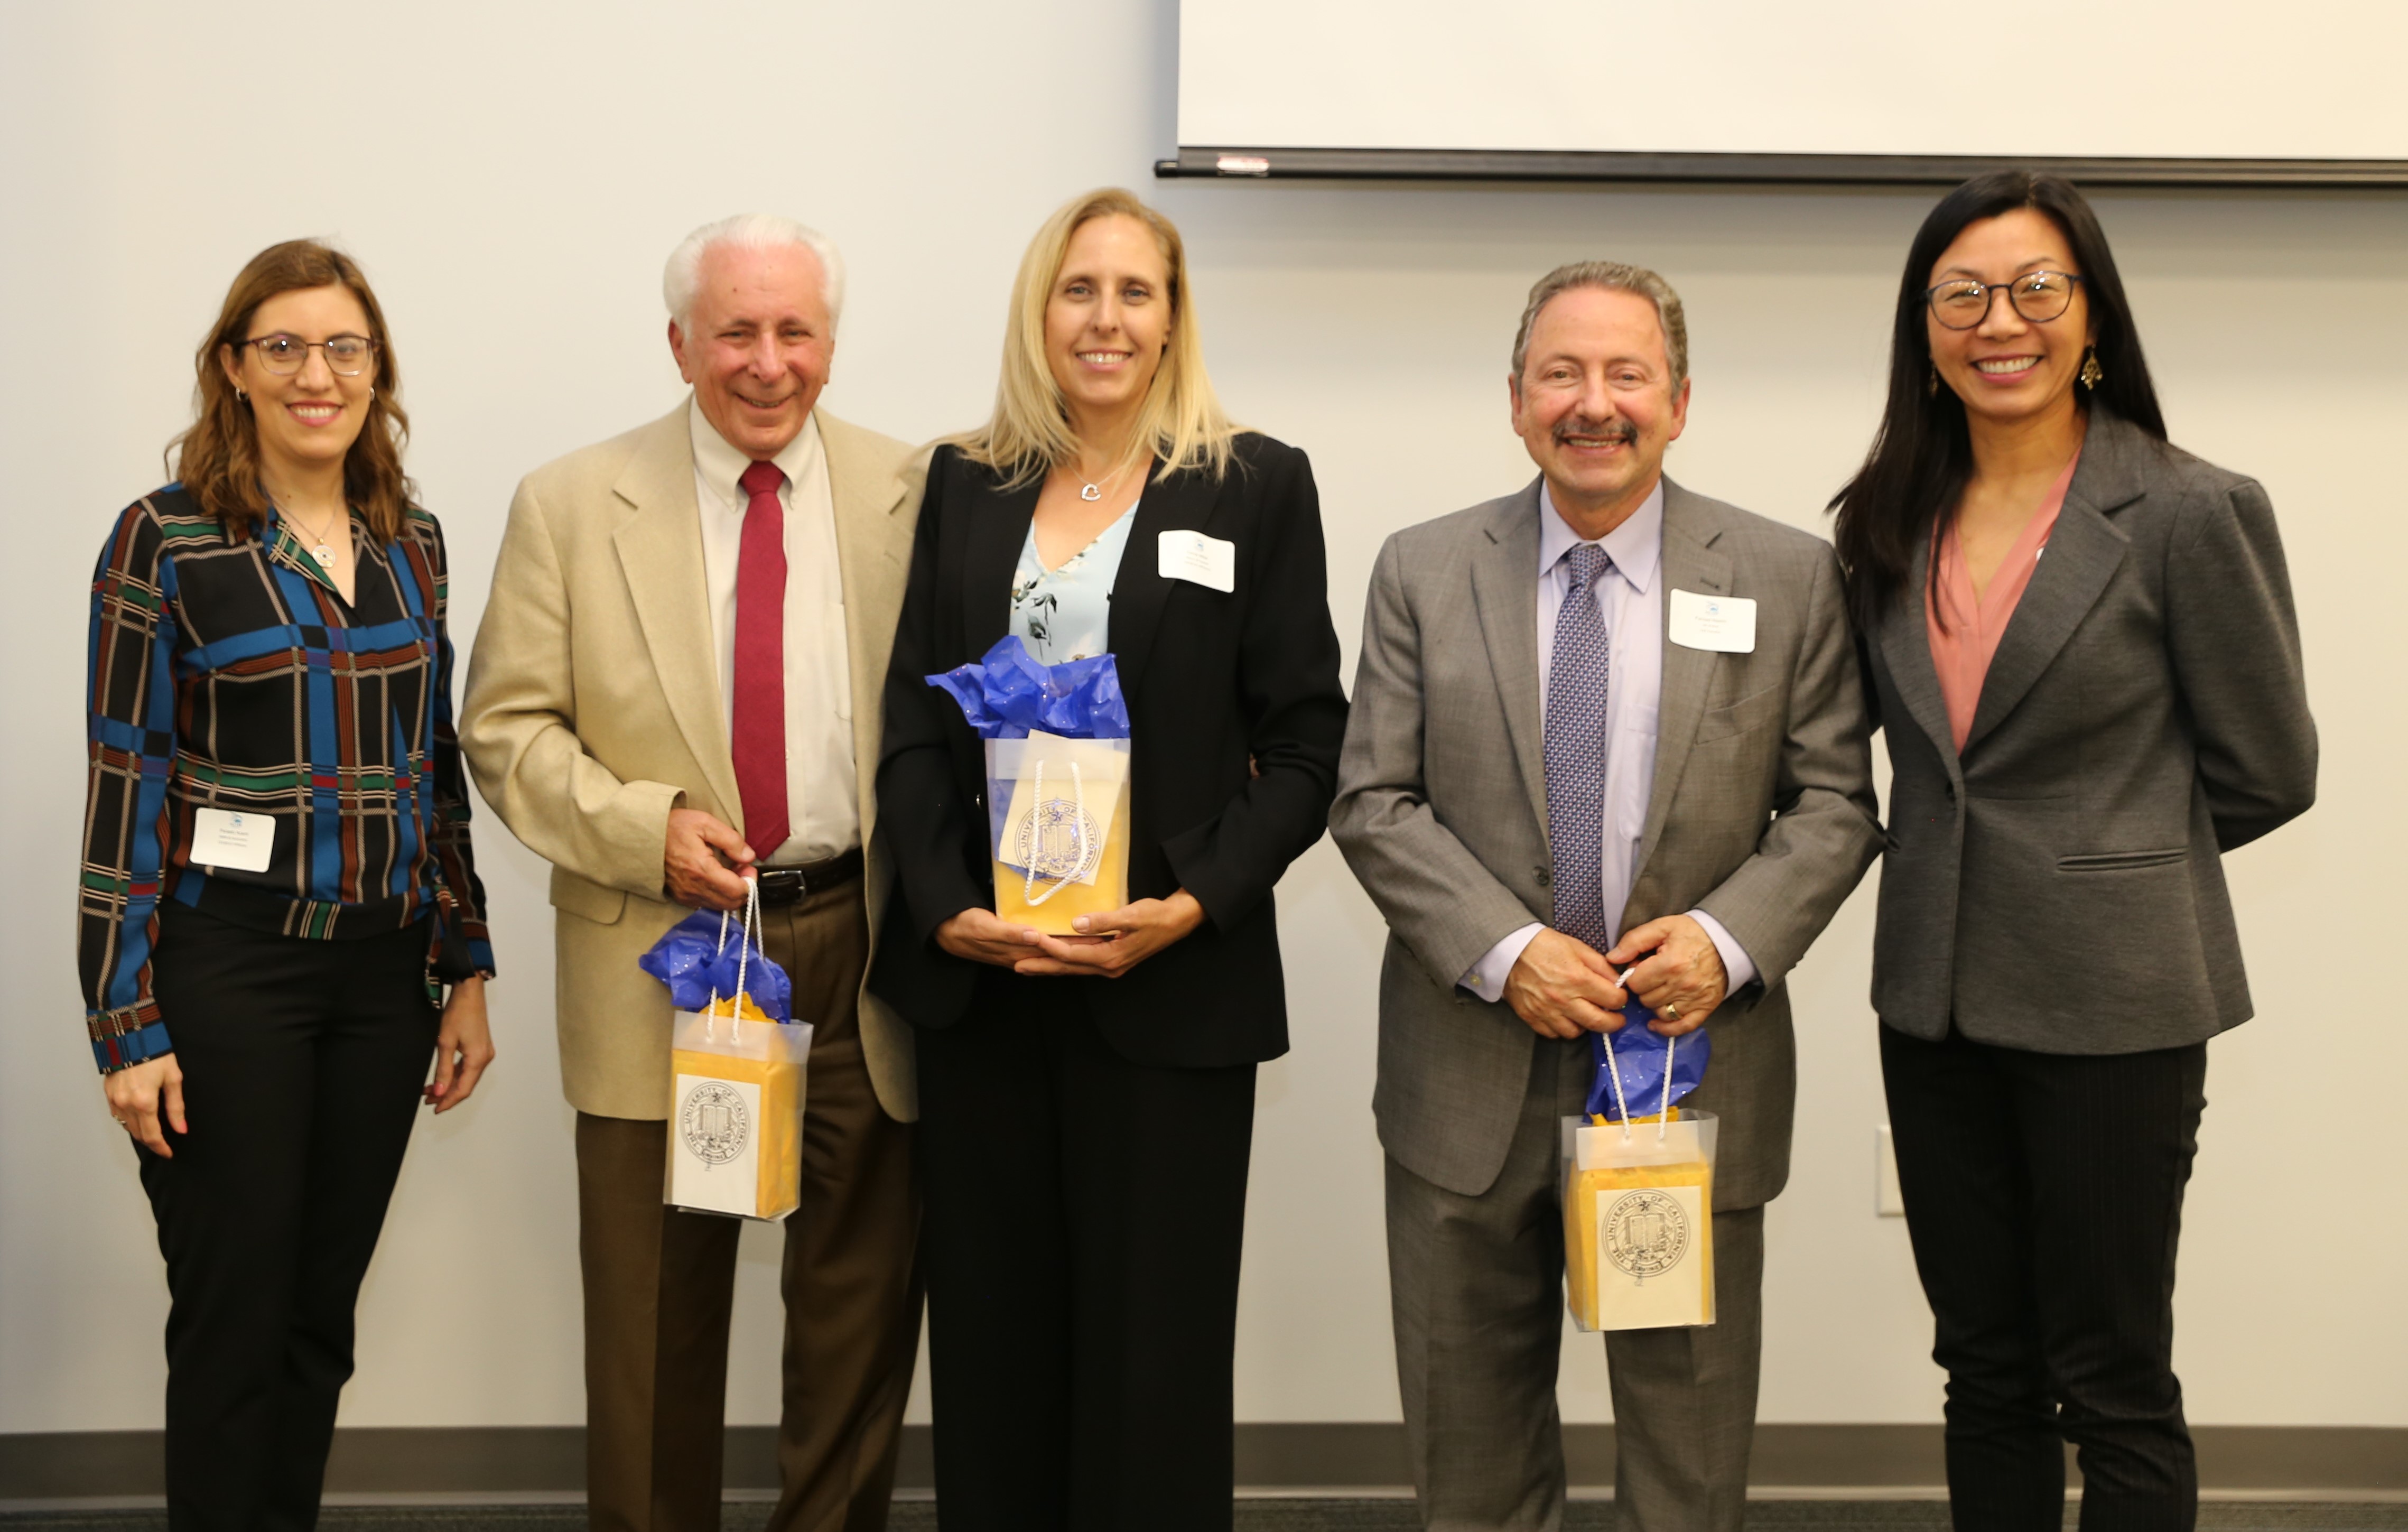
1261	1516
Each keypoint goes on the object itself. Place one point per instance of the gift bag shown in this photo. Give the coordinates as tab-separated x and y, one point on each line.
1059	827
736	1079
1639	1245
1057	781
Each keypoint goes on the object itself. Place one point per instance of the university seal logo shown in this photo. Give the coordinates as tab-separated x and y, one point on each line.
714	1122
1646	1233
1049	841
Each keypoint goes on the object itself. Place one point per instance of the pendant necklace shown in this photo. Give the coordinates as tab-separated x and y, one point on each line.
1093	492
325	550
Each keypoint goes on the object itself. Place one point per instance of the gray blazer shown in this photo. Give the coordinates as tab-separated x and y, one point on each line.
2060	887
1762	814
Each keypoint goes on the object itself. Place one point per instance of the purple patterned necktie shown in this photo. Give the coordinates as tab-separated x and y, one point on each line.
1575	752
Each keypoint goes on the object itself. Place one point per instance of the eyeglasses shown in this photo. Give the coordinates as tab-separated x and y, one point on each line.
2036	295
285	355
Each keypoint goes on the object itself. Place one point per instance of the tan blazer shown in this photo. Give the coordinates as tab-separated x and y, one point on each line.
592	710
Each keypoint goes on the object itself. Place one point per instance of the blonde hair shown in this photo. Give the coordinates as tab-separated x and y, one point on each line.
1029	433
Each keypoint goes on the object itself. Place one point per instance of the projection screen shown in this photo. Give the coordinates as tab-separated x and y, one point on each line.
2137	91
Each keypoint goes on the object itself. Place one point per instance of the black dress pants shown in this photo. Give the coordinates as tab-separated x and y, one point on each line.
303	1062
1081	1229
2044	1199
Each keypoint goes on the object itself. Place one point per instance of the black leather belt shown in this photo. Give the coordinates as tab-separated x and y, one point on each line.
786	886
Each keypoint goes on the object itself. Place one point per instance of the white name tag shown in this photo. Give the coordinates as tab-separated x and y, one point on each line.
1723	624
1201	560
240	841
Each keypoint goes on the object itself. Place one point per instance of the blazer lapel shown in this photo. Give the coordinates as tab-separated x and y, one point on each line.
1505	592
1139	589
2083	552
991	553
873	539
1691	563
660	552
1906	648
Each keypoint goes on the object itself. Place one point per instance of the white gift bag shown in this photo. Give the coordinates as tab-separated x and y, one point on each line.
737	1087
1639	1245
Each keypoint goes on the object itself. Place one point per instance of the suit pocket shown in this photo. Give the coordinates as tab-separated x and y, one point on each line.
1749	713
586	899
2123	861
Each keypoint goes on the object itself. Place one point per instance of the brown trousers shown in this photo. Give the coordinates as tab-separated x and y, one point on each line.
660	1284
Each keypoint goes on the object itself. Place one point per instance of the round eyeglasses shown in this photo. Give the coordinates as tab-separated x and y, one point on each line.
2036	295
285	355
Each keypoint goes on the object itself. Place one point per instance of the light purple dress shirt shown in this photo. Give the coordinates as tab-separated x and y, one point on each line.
1634	624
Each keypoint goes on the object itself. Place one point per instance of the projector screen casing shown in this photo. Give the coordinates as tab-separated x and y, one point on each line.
2121	92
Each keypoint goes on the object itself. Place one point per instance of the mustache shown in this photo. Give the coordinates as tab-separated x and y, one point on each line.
1614	430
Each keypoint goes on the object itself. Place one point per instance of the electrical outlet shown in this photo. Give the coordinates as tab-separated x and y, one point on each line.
1886	1200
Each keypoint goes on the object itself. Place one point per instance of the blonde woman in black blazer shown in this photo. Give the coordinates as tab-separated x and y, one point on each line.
1087	1103
2056	943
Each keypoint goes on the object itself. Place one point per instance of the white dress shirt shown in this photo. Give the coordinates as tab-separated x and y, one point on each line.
1632	598
822	806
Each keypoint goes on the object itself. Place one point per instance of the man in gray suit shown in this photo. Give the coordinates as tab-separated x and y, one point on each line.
1601	727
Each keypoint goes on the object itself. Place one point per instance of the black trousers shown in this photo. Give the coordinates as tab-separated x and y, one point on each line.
2044	1199
303	1062
1082	1221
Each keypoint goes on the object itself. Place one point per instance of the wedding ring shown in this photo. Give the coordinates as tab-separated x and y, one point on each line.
1671	1013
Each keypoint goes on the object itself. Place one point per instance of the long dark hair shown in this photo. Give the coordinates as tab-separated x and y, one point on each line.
217	457
1922	455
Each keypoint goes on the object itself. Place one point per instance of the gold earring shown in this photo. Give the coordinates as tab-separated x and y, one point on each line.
2091	371
1932	385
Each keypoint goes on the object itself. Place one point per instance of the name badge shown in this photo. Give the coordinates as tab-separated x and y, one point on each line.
1198	559
226	840
1723	624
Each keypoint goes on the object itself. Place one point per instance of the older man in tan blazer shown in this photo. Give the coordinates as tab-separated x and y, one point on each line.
677	687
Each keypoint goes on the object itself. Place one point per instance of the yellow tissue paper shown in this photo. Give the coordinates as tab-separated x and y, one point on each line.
1639	1249
736	1118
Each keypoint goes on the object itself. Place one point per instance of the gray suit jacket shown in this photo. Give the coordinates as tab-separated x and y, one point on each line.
2060	888
1762	814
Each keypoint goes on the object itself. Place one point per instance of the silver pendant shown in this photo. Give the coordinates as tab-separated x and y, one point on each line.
324	554
1091	492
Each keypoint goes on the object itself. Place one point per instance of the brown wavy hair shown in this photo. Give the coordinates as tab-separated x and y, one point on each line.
217	457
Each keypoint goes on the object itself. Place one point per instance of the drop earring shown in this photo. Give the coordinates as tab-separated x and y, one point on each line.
2091	371
1931	384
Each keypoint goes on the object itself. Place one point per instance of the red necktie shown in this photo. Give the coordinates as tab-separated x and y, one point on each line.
758	730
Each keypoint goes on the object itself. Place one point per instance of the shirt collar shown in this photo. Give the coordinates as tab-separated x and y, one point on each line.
1636	546
721	464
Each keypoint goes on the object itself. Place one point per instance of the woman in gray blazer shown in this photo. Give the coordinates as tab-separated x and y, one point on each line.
2081	648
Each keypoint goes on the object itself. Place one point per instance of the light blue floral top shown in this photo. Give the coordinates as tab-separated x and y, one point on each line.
1065	614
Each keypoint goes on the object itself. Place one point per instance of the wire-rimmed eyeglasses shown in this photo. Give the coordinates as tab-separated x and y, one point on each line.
2036	295
284	354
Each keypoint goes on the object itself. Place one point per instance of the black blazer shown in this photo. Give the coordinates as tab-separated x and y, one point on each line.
1214	681
2060	886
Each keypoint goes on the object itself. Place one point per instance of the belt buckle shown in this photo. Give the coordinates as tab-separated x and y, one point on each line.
782	885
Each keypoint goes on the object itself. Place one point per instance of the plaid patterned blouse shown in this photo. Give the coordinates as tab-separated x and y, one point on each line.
231	674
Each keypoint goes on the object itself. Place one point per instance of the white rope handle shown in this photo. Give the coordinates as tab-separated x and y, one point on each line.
1620	1105
752	932
1036	835
1664	1122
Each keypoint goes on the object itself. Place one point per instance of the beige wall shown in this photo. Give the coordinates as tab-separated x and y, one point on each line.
512	177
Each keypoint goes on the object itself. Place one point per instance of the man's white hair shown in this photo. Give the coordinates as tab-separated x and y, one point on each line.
682	278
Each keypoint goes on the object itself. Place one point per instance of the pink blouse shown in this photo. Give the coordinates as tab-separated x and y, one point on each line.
1962	644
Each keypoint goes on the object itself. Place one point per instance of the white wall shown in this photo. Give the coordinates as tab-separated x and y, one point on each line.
512	177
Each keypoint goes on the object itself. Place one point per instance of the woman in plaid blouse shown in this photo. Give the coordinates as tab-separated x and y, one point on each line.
277	889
